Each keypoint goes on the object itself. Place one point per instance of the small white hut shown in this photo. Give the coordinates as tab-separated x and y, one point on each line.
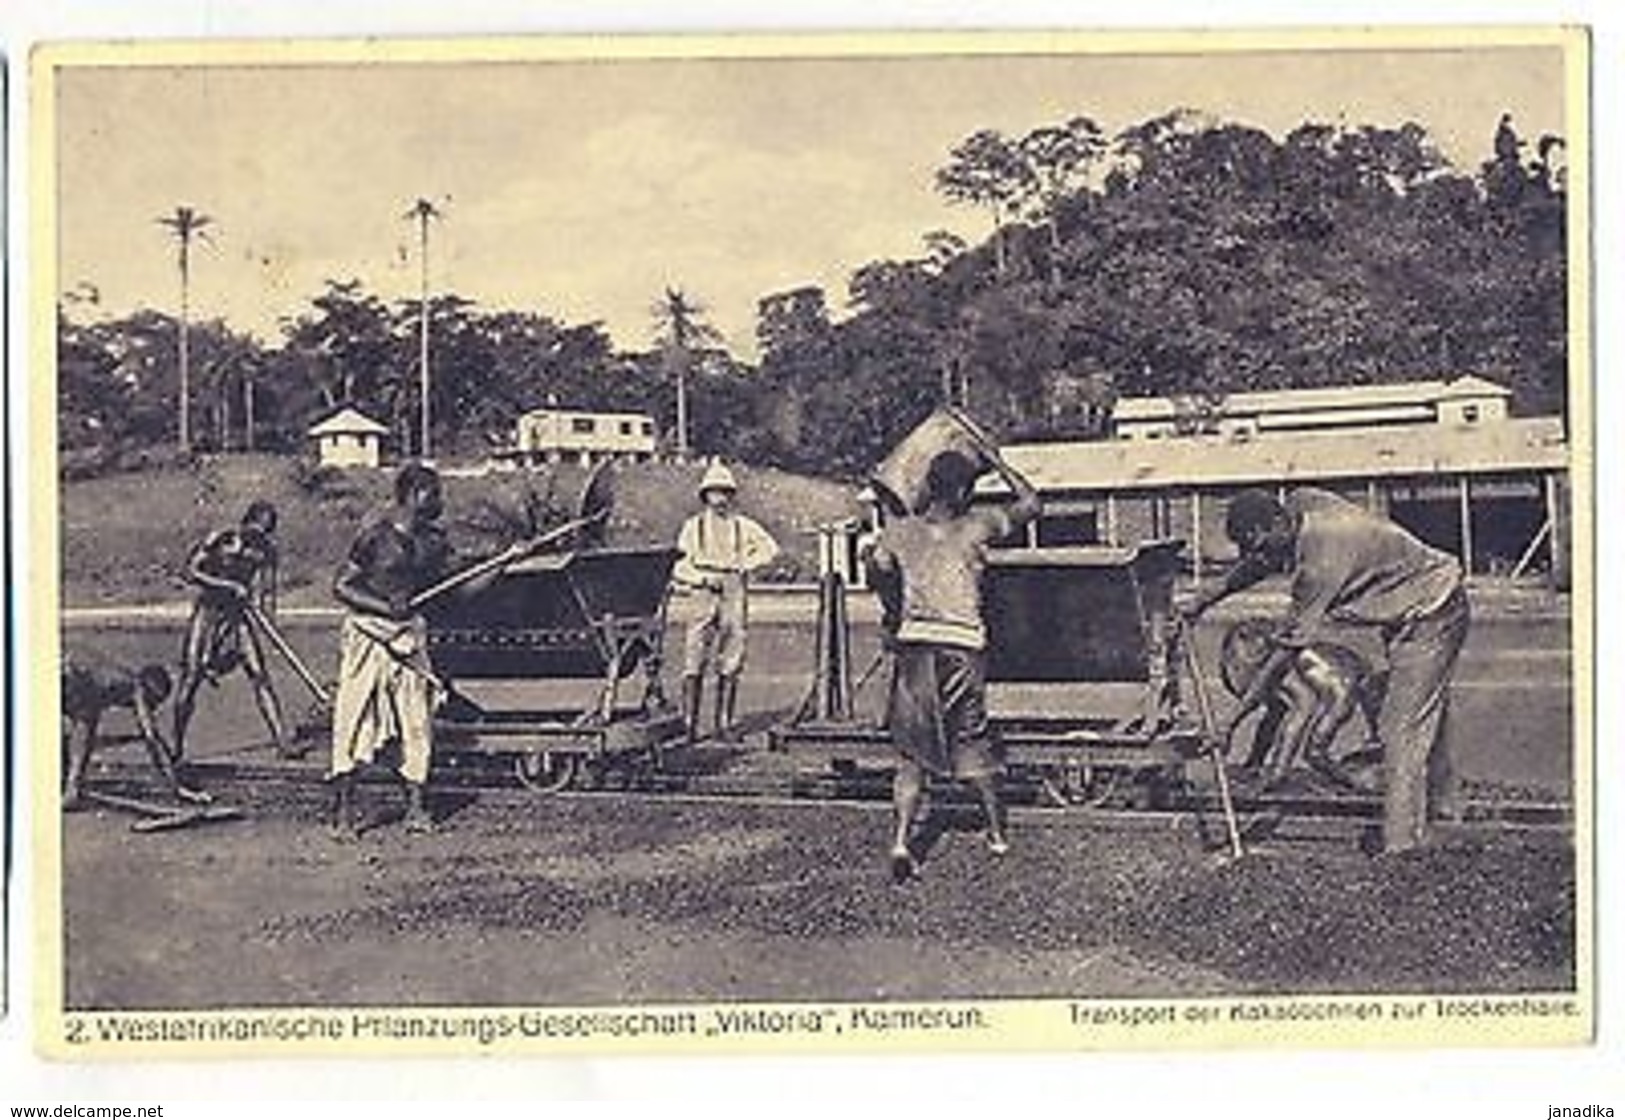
348	439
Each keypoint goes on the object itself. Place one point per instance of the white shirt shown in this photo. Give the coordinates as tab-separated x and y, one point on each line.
716	545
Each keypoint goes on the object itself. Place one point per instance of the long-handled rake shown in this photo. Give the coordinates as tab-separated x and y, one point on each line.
268	628
318	718
586	529
1204	705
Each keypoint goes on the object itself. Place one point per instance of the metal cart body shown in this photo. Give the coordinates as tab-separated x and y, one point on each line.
1084	673
557	663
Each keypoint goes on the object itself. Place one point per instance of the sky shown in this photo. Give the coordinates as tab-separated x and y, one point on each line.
583	188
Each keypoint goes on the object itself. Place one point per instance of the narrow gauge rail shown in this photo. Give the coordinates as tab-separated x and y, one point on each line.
1105	719
276	786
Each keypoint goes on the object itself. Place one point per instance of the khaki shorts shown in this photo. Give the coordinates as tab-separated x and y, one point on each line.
717	636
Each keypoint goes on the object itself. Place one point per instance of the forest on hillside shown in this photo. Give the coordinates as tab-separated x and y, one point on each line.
1182	256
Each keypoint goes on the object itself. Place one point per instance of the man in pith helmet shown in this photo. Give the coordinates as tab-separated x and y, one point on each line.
721	547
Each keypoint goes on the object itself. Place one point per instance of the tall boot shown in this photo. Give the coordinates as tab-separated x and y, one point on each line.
344	826
691	709
727	697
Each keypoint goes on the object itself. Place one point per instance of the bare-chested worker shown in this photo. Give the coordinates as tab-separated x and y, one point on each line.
1306	693
387	688
92	687
235	572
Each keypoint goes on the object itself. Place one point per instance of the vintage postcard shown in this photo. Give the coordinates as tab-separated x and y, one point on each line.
817	543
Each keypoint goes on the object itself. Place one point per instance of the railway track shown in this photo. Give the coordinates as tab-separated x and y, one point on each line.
770	781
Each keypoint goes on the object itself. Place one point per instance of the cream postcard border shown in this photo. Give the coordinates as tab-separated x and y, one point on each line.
1052	1024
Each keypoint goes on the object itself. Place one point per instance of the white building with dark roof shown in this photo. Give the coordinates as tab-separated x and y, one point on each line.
348	438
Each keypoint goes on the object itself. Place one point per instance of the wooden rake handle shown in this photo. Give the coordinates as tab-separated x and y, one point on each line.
510	555
289	654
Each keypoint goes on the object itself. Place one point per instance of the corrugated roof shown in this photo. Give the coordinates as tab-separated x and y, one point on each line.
1328	397
347	421
1510	445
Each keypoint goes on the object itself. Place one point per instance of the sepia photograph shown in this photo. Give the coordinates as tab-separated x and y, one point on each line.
826	542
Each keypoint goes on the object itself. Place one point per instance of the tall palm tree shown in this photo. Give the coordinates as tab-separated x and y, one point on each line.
184	225
423	212
248	408
683	333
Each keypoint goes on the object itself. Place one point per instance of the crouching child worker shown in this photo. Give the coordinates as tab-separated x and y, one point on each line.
94	686
1306	694
926	567
1350	567
387	689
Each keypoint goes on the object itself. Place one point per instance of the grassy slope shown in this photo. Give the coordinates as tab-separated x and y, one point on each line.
125	537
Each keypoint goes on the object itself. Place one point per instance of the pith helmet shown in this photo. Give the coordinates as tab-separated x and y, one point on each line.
718	477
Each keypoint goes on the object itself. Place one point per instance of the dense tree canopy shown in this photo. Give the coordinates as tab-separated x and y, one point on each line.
1184	256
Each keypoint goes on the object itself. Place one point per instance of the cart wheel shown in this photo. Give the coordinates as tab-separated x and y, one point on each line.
1082	784
545	771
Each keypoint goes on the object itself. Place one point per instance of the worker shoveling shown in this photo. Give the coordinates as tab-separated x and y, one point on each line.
586	530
